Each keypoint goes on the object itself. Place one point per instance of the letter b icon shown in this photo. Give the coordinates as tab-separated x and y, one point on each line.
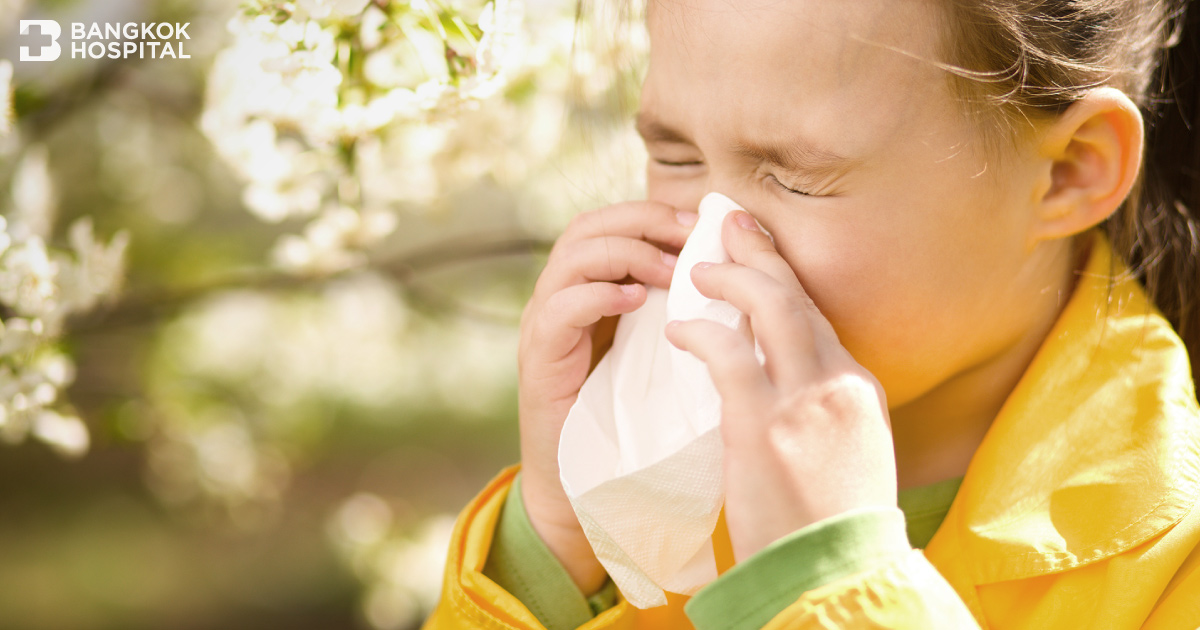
46	34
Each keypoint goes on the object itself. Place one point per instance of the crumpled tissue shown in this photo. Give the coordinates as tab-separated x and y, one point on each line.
640	454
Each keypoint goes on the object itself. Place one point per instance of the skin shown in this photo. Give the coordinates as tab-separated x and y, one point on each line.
898	302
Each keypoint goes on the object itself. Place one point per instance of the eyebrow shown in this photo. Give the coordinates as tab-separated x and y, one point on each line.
796	157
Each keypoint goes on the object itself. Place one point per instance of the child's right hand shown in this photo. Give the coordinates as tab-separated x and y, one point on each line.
565	328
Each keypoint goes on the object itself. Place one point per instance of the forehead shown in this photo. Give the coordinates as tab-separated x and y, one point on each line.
825	68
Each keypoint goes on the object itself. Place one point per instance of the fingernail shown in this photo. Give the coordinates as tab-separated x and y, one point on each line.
629	289
702	265
746	221
687	218
669	259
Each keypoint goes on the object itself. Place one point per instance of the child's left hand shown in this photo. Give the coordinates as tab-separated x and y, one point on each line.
807	435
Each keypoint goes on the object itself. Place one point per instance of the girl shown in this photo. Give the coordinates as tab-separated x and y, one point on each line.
977	409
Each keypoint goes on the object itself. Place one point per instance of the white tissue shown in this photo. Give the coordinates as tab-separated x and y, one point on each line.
640	452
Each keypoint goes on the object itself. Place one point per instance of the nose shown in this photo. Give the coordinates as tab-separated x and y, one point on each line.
736	192
734	184
685	194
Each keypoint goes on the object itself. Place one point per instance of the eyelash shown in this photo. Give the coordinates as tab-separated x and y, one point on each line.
795	192
773	178
665	163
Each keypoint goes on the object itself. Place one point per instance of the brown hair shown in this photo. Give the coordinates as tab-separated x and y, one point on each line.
1020	60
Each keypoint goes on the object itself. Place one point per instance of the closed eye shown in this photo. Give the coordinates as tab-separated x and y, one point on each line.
773	178
791	190
666	163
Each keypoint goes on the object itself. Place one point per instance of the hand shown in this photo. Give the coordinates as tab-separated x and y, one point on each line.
565	329
807	435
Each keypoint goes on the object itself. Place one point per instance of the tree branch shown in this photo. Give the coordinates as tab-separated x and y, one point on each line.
148	305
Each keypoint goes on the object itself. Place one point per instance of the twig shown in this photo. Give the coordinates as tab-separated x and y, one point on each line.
141	307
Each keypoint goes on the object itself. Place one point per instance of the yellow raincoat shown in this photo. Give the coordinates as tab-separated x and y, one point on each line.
1078	510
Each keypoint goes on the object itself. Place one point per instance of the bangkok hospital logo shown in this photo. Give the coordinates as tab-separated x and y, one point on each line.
152	40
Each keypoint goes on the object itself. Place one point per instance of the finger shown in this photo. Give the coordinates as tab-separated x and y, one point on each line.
730	358
646	220
778	316
608	258
561	321
749	245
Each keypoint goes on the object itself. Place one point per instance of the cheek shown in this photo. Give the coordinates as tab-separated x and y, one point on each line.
897	296
867	290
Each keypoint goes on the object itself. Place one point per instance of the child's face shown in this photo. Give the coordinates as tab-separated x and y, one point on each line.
918	258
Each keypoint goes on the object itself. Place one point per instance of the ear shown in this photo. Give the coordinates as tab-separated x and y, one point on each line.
1089	160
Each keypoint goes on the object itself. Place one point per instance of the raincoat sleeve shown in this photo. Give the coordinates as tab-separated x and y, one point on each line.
472	599
853	570
521	563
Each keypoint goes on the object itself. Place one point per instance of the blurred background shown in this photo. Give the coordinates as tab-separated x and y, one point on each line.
259	305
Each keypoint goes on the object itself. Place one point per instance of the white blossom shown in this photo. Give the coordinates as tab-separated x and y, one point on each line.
98	269
290	102
6	108
65	434
41	286
27	278
322	9
33	198
500	22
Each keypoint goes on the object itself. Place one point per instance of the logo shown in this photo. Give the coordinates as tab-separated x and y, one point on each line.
152	40
45	34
